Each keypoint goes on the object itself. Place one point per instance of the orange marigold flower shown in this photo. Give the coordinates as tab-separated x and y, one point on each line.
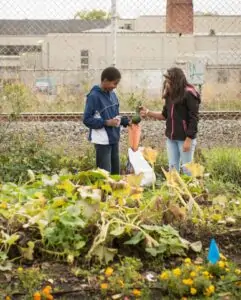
37	296
104	286
7	298
47	289
136	293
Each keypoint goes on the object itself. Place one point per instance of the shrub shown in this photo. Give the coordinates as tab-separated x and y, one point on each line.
19	156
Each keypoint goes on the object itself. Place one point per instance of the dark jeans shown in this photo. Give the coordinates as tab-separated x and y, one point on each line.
107	158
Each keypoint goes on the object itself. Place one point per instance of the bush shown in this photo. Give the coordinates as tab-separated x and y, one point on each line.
18	157
84	162
16	97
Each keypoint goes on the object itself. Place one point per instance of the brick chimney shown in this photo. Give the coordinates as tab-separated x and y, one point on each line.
179	16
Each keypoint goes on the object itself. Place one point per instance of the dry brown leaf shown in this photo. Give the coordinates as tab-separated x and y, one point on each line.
150	155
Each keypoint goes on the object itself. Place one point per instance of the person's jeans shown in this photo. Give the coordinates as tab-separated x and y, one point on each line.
176	156
107	158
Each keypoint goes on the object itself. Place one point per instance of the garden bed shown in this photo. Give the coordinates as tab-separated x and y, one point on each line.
91	235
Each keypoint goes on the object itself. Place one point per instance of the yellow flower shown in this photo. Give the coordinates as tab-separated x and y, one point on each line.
193	274
20	269
184	298
136	293
206	273
209	291
109	271
222	277
188	281
177	272
187	260
104	286
3	205
221	264
7	298
164	276
237	271
227	270
193	291
198	268
222	257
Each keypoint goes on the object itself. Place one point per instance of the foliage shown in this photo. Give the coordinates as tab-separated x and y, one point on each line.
83	215
30	280
15	97
95	14
224	164
197	281
84	162
124	278
17	156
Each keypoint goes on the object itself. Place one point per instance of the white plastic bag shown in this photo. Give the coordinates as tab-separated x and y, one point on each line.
140	165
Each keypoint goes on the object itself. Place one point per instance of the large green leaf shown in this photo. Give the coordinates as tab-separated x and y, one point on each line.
136	239
27	253
118	231
104	254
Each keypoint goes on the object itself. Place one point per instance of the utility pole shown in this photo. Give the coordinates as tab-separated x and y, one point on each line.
114	27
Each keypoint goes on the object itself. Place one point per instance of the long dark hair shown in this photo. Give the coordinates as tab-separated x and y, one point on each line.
178	83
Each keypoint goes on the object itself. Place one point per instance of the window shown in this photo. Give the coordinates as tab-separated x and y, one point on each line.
127	26
222	76
212	32
15	50
84	59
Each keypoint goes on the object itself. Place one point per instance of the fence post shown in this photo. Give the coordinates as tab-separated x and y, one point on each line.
114	26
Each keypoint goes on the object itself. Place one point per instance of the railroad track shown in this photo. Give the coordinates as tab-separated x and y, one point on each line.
77	116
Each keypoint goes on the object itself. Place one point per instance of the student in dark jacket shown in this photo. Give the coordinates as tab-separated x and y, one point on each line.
181	115
101	116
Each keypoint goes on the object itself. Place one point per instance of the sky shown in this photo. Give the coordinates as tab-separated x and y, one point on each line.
66	9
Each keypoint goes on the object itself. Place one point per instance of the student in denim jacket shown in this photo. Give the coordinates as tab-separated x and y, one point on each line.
101	116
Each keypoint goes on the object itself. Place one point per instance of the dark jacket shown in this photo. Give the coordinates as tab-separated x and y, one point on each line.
102	106
182	118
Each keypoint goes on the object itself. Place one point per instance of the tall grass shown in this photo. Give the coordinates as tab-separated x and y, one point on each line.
224	164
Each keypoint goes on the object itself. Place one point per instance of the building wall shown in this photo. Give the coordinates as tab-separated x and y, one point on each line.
142	57
202	23
139	51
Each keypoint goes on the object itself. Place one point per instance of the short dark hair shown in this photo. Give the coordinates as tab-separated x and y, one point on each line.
110	74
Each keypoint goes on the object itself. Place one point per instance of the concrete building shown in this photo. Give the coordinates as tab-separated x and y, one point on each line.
75	51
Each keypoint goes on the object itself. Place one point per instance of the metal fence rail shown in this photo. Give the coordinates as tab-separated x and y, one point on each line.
51	55
78	116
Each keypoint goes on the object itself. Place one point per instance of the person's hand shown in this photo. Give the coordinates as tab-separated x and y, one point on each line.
143	111
187	145
113	122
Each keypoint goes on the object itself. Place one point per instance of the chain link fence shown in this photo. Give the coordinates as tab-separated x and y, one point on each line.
53	51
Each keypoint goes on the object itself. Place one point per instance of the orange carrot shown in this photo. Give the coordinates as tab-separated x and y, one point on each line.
134	132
